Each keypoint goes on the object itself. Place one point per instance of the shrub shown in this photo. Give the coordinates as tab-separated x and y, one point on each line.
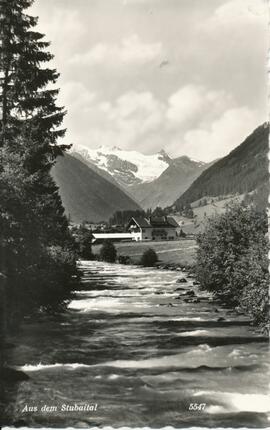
182	233
83	238
108	252
57	277
232	260
124	259
149	258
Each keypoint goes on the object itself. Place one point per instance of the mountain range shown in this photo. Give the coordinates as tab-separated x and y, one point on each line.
96	183
126	167
151	180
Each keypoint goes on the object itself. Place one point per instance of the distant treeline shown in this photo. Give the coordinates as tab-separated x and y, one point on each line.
37	252
122	217
241	171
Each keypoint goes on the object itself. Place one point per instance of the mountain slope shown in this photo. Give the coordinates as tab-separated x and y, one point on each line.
104	174
95	168
166	188
85	194
244	169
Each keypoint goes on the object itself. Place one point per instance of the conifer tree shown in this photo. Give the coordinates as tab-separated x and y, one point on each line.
31	120
36	250
29	107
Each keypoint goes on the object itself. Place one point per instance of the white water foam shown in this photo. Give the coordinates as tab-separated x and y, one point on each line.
40	366
236	402
113	377
106	304
193	333
191	359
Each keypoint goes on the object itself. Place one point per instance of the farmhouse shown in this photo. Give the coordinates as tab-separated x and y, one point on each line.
154	228
139	228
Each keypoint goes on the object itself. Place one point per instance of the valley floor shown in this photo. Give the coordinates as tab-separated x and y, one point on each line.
177	252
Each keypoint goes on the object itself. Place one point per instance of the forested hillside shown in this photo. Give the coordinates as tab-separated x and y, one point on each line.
243	170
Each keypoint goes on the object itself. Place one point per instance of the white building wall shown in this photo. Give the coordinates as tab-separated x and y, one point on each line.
112	236
171	233
137	235
147	234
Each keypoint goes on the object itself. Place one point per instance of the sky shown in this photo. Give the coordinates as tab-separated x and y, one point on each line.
186	76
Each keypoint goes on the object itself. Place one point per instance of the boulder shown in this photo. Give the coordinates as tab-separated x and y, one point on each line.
82	425
12	375
181	281
20	423
190	293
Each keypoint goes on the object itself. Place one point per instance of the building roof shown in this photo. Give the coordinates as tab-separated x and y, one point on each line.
141	222
172	222
155	222
163	221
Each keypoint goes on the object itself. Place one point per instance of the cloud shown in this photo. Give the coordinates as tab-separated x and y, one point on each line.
127	121
184	104
158	73
76	97
239	12
194	120
126	2
222	135
131	50
243	20
142	108
58	24
194	103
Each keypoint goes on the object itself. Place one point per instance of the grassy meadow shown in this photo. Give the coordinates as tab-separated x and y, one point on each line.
177	252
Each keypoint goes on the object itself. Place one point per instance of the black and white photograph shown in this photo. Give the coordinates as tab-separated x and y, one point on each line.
134	181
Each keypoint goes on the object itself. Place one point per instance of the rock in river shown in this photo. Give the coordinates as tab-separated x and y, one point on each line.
12	375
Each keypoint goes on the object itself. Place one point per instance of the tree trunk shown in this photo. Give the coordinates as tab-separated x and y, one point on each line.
3	315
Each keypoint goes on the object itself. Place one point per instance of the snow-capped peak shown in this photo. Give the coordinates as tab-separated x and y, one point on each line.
127	167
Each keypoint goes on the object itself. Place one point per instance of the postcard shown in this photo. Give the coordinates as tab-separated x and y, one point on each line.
134	188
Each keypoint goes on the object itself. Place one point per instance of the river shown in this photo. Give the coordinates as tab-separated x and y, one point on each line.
140	352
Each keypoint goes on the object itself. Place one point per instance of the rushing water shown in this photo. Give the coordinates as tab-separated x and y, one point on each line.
139	352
